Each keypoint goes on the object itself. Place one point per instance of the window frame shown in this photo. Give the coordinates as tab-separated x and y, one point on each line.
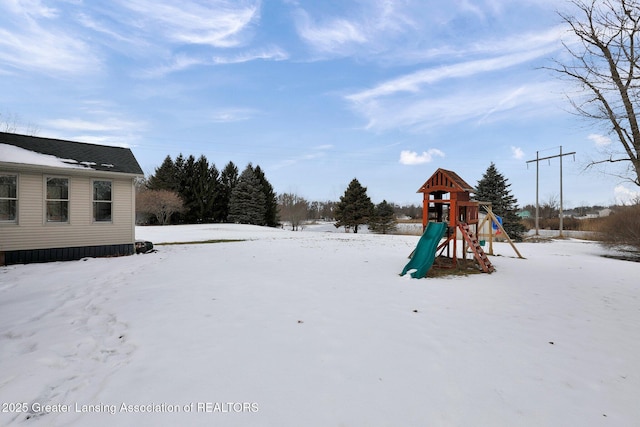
67	220
95	202
15	199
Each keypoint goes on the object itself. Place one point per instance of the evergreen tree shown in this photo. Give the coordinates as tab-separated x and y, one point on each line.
187	187
247	204
214	176
271	202
354	207
383	219
204	189
228	181
493	187
165	177
197	184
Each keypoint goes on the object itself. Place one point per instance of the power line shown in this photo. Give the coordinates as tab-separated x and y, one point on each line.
537	160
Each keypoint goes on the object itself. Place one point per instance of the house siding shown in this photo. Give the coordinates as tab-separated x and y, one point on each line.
32	232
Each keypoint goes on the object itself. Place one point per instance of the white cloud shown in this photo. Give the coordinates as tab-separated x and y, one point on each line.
317	152
178	63
413	82
329	36
218	23
467	6
413	158
625	196
183	62
89	22
424	110
46	50
365	29
466	90
272	53
33	8
599	140
100	125
229	115
517	152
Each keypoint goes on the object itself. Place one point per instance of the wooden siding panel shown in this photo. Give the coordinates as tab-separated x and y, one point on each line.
32	232
30	200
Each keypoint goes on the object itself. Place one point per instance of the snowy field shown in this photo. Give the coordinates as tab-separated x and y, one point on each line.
317	329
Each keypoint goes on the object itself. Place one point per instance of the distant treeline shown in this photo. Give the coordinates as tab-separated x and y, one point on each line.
208	195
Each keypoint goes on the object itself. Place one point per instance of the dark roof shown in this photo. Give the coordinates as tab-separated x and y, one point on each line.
96	157
445	180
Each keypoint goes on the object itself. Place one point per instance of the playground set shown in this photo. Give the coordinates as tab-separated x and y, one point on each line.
447	210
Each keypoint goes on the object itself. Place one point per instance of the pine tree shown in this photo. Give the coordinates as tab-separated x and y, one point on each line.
187	180
271	201
204	190
228	181
354	208
383	219
165	177
493	187
214	175
247	204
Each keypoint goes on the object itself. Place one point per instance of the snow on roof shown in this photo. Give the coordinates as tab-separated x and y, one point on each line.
12	154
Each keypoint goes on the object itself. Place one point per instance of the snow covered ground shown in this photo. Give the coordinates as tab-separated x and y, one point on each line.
317	329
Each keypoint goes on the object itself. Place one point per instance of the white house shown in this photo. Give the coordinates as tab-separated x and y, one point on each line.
64	200
604	212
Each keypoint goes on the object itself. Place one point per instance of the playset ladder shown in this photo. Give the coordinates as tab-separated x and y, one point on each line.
473	243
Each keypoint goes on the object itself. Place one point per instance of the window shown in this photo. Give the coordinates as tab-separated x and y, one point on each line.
57	200
8	198
102	201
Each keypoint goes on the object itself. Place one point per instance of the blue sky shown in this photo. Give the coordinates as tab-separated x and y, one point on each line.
315	92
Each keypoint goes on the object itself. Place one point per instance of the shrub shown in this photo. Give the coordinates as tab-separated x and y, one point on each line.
622	228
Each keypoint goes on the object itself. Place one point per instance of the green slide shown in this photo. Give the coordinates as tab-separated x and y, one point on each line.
425	252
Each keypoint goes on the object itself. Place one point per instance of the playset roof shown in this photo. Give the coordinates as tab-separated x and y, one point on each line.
445	181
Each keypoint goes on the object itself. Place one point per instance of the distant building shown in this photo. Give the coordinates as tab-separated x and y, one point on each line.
524	214
63	200
604	212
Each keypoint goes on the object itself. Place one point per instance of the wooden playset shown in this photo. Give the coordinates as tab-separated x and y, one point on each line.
447	198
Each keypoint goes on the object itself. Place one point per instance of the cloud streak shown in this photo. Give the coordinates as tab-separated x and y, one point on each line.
217	23
332	36
271	53
231	115
356	30
30	40
415	81
477	106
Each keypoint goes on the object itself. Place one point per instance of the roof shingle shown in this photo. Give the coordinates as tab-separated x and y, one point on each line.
97	157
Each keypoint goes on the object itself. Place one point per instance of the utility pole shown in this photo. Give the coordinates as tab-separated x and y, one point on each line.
537	160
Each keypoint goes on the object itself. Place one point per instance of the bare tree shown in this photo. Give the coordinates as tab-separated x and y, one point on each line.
159	203
293	209
605	62
11	123
549	208
8	123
